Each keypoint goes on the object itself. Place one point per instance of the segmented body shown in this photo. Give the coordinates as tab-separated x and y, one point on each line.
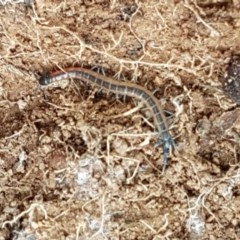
124	89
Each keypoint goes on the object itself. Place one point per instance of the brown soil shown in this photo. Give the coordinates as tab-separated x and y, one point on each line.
79	164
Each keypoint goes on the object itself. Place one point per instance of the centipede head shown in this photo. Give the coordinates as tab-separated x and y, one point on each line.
44	80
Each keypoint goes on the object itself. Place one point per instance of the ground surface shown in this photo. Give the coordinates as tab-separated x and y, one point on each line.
79	164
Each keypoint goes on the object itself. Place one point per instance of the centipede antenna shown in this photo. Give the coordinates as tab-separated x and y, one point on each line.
165	155
167	145
38	87
37	76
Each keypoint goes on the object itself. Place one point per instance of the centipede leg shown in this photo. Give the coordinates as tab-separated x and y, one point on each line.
99	69
165	156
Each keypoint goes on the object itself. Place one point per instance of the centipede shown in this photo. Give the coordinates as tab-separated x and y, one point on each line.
124	89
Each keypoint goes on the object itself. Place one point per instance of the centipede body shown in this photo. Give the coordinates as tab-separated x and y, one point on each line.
120	88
